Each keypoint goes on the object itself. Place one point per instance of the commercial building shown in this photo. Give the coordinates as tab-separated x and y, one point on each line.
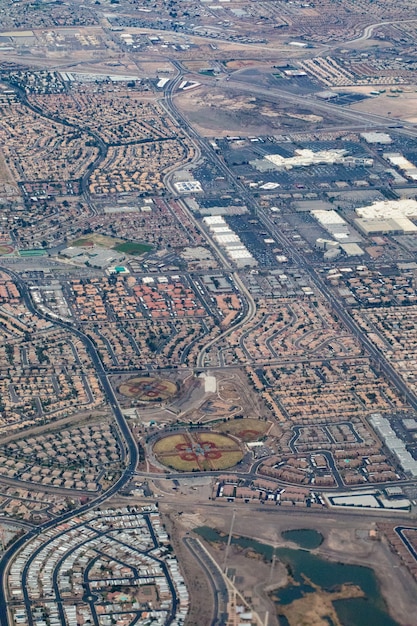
387	217
376	138
307	158
390	226
229	241
404	165
395	445
338	228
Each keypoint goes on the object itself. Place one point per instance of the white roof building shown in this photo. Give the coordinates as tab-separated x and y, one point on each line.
386	209
403	164
305	158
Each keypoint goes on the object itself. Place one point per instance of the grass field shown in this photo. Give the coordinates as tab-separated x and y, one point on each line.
5	249
148	389
114	243
220	441
34	252
130	247
177	463
228	459
167	444
247	429
95	239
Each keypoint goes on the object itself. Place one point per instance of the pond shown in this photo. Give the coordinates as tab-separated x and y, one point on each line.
304	537
327	575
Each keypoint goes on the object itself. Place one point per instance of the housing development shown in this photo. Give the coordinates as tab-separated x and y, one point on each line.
208	313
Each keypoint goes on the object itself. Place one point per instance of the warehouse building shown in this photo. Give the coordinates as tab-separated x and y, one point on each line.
390	226
395	445
404	165
223	235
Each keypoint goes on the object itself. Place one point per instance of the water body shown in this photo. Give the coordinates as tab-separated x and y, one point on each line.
304	537
325	574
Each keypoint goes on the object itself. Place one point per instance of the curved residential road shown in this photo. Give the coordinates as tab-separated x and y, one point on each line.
245	320
128	448
101	145
368	31
410	547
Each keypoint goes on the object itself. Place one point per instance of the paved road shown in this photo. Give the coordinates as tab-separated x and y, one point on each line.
215	578
410	547
240	84
385	367
368	32
245	320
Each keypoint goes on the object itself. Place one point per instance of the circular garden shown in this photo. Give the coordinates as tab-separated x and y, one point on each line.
6	249
194	451
148	389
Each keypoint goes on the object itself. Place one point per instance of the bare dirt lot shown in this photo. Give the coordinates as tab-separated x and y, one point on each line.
400	105
214	113
5	174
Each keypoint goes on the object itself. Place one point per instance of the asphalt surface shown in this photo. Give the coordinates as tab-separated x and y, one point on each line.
400	532
216	580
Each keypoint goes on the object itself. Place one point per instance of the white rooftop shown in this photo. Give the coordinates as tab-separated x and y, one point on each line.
304	158
327	217
383	138
406	207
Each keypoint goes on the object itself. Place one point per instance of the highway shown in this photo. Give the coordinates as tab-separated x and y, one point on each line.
384	366
271	93
128	446
274	94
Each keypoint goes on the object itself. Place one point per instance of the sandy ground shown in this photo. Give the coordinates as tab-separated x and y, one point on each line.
5	174
398	105
214	113
346	539
200	592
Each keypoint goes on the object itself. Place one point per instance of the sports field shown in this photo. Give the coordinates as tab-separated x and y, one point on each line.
5	249
114	243
197	451
130	247
148	389
245	429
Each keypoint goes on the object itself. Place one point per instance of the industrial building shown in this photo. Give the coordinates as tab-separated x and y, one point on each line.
376	138
332	249
390	226
306	158
404	165
95	256
387	217
395	445
336	226
223	235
